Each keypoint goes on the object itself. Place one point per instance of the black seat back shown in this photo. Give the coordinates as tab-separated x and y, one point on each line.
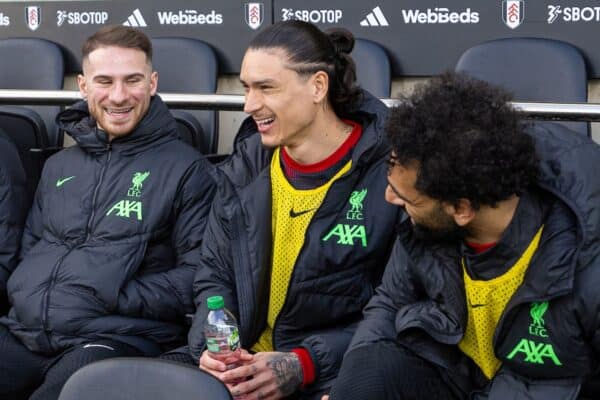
373	71
187	65
27	131
538	70
35	64
143	379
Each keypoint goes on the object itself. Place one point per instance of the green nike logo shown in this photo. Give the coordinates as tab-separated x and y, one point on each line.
60	182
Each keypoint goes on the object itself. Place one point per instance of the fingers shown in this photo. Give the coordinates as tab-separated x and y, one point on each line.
211	365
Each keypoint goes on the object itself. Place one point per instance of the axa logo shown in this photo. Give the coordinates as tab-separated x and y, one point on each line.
254	14
4	20
125	208
531	351
347	234
33	17
136	19
513	13
189	17
573	14
440	15
375	18
325	16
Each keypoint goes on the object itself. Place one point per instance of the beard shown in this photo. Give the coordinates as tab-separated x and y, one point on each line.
447	233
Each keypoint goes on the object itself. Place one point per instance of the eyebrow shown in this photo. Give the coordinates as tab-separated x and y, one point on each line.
258	83
398	194
134	75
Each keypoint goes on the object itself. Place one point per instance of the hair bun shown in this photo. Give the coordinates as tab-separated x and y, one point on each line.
342	40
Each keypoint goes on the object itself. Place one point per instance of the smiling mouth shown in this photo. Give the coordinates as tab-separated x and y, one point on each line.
118	112
264	123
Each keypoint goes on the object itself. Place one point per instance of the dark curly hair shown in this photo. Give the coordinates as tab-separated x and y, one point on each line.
310	50
466	140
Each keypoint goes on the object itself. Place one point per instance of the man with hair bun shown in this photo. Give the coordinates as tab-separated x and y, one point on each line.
297	241
492	290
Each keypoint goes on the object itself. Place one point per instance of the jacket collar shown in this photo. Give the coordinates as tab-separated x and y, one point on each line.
156	127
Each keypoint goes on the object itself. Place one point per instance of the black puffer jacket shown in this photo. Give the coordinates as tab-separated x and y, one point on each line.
547	354
112	241
13	209
334	276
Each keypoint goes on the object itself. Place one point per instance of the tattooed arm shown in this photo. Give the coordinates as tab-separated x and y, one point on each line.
268	376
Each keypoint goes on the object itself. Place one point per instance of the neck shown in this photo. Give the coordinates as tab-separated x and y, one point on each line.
489	223
326	134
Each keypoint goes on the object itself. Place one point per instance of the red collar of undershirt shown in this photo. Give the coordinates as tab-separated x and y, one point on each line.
480	247
330	161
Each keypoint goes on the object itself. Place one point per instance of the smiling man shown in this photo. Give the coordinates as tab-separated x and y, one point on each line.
492	289
112	241
298	240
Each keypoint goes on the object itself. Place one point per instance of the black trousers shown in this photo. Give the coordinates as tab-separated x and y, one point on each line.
384	370
24	374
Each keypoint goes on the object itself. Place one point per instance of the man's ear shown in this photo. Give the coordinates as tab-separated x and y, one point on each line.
320	86
462	211
82	86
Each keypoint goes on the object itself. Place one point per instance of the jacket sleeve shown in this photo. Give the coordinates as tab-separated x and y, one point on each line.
13	208
397	289
214	275
167	295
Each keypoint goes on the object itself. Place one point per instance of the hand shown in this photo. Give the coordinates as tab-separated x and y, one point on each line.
268	376
217	367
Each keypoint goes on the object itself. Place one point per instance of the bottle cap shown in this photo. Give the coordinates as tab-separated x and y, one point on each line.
215	302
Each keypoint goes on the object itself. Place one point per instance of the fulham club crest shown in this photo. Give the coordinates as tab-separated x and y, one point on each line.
33	17
254	13
513	12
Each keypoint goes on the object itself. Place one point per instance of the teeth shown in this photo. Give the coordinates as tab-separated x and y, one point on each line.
119	111
265	121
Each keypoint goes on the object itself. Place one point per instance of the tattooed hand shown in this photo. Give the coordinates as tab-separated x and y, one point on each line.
268	376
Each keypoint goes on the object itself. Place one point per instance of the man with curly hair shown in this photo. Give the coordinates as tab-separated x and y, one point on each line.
492	289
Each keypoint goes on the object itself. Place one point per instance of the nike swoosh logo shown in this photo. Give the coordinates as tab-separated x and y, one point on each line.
477	305
60	182
295	214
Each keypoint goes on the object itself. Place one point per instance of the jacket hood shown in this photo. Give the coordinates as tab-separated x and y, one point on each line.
567	169
371	113
157	125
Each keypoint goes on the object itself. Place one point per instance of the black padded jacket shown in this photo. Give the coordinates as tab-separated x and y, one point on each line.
113	238
548	338
334	275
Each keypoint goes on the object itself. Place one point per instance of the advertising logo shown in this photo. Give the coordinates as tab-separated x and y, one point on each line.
375	18
513	12
136	19
81	18
440	15
329	16
33	17
254	14
189	17
4	20
573	14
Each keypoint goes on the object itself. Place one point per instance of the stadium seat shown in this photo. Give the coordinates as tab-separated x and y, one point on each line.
30	63
27	131
135	378
532	69
372	68
189	66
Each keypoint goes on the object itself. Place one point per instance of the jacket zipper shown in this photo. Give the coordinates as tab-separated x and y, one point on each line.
88	229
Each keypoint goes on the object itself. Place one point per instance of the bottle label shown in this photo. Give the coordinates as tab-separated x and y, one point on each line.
226	343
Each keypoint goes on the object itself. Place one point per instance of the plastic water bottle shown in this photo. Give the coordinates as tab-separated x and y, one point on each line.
221	333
